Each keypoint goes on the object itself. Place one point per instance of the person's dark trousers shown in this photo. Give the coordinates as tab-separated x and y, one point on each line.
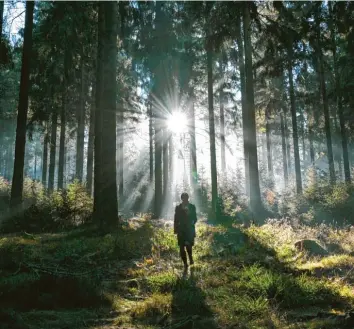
183	254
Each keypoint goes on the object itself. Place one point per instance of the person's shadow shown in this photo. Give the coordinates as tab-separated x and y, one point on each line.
189	308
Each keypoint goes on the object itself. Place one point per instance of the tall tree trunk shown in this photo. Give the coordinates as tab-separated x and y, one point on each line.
62	140
337	153
158	94
90	146
170	163
193	147
20	144
294	124
81	127
327	119
107	209
121	155
269	146
222	120
255	194
311	136
1	17
53	146
151	144
287	141
165	162
245	122
283	148
45	156
98	201
339	100
214	182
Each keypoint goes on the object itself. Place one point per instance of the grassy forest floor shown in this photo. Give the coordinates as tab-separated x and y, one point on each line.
133	278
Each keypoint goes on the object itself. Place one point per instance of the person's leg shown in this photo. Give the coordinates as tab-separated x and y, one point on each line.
182	252
190	254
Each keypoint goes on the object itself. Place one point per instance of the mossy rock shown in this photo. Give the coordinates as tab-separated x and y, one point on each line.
312	247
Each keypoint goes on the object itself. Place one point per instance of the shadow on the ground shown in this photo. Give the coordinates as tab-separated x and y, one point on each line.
189	307
59	281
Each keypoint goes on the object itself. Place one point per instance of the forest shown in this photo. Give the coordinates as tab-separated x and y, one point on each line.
110	110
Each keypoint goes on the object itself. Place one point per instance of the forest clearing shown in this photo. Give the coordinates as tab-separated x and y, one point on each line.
136	133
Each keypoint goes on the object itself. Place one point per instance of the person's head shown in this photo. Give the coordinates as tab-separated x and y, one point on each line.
184	197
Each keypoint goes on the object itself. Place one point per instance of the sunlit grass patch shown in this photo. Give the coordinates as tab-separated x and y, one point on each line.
155	305
334	261
164	282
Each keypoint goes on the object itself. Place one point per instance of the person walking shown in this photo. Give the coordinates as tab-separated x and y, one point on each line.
184	226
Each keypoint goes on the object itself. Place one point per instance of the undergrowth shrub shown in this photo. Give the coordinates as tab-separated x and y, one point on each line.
43	211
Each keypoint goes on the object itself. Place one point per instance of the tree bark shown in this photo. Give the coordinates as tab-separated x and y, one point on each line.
151	144
193	147
1	17
283	148
121	155
222	120
294	124
98	201
158	125
245	122
255	194
53	146
108	208
45	157
165	162
81	127
214	182
327	119
62	140
90	146
269	146
20	144
338	95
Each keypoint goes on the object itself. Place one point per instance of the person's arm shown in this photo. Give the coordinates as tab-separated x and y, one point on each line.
176	221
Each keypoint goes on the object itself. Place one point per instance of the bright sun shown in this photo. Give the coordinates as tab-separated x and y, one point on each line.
177	122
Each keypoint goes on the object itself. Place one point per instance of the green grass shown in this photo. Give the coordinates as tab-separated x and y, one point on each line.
133	278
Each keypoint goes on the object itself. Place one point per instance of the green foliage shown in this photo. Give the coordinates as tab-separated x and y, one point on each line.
42	212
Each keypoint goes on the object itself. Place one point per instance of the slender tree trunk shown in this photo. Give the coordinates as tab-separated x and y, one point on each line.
214	182
283	148
269	147
337	153
45	157
121	155
287	140
193	147
62	141
338	95
151	145
165	163
327	120
20	144
245	122
158	125
311	136
90	146
222	120
255	194
108	206
170	163
81	127
1	17
53	146
98	201
294	123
